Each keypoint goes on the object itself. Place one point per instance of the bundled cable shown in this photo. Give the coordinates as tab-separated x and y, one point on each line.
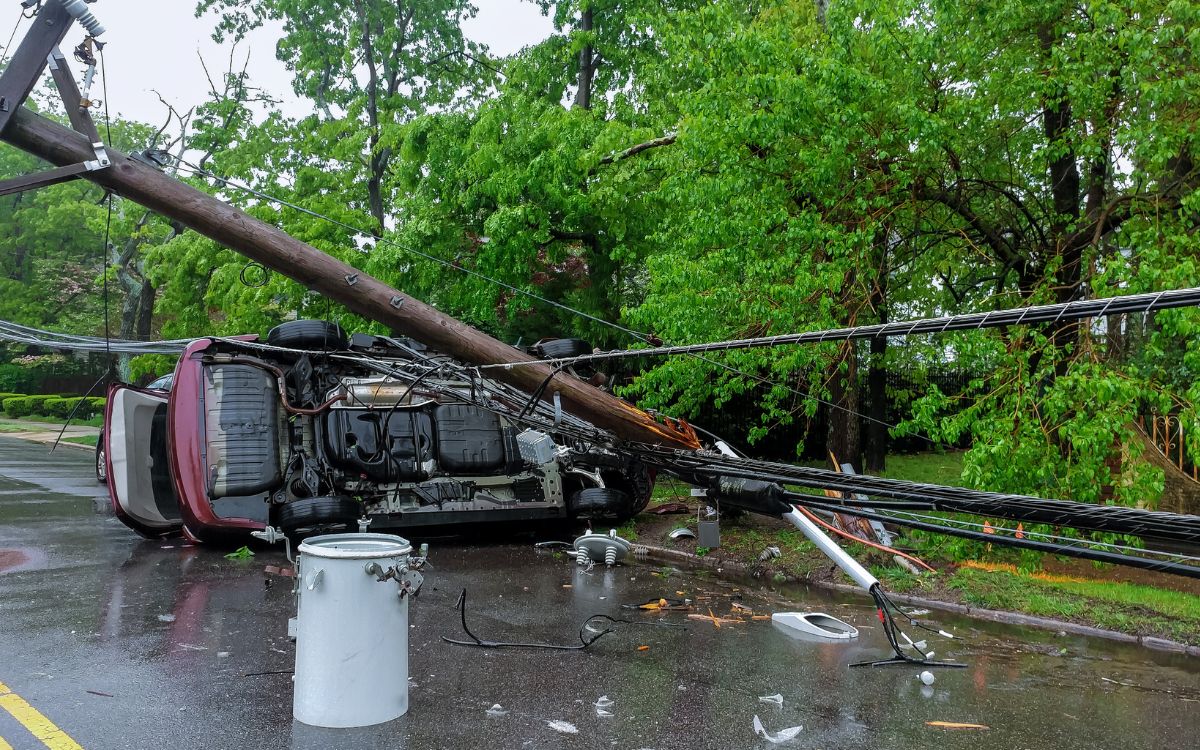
1159	525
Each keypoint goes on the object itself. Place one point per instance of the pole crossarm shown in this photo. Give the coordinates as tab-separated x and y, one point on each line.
25	68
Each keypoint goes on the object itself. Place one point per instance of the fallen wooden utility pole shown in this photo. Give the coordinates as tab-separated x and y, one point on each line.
332	278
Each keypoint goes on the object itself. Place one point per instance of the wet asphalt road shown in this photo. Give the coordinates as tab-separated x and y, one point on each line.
164	636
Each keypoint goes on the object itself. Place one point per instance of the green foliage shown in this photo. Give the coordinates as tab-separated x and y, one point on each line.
70	408
241	553
37	404
151	366
17	406
16	378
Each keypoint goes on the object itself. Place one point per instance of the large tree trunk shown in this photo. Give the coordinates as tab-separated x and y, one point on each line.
1057	123
844	438
587	66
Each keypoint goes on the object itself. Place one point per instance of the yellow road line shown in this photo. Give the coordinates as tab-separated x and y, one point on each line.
33	720
4	745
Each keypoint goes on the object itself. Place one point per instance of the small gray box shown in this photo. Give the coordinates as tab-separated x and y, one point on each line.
536	447
708	534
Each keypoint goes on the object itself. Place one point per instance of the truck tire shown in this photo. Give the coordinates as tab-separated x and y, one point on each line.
316	335
318	515
596	503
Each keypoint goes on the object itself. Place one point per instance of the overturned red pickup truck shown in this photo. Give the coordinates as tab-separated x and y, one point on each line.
314	431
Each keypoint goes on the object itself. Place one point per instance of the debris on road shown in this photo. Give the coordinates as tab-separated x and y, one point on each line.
670	509
783	735
955	725
496	710
777	699
565	727
816	624
682	532
927	677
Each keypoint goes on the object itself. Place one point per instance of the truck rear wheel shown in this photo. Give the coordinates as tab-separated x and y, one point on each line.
595	503
314	335
318	515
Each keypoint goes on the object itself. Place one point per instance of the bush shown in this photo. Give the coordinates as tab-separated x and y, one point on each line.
17	406
52	407
69	407
37	404
86	408
98	403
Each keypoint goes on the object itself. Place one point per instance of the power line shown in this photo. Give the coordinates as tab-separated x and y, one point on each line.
1132	303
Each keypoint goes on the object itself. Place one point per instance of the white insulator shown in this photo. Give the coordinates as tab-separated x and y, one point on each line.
582	558
81	12
610	556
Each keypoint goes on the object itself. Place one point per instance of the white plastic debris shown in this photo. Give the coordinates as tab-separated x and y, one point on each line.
777	699
817	624
783	735
603	714
565	727
166	618
927	677
497	710
603	702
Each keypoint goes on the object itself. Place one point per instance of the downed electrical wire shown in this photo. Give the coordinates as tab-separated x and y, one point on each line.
710	468
584	641
899	641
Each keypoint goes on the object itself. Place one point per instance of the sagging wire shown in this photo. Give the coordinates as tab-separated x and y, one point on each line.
584	640
21	334
1122	304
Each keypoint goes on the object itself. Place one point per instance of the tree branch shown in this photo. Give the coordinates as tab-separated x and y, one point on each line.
666	140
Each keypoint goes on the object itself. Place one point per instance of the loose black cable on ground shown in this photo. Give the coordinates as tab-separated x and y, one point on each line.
582	645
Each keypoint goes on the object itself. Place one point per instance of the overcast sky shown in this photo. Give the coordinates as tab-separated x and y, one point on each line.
153	45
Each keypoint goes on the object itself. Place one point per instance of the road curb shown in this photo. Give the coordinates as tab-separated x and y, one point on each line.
37	437
1010	618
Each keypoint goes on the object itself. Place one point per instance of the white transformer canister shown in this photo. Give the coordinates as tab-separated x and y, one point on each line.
352	629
